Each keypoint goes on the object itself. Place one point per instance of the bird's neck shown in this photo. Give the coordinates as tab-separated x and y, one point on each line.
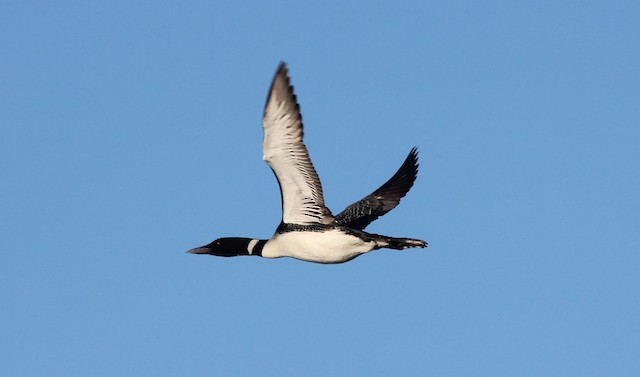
254	247
246	246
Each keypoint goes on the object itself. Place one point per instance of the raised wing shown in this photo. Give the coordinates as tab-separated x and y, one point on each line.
363	212
286	154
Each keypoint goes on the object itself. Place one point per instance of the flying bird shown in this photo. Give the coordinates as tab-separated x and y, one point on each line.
308	230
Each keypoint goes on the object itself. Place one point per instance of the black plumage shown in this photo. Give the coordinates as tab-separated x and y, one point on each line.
363	212
308	231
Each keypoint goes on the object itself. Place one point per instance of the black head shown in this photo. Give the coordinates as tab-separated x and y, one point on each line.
229	247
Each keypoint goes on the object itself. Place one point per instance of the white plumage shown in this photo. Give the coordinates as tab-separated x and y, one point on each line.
286	154
308	230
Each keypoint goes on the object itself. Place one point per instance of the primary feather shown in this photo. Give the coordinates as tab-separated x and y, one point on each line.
363	212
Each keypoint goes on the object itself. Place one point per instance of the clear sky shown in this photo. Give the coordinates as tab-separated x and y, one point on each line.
131	131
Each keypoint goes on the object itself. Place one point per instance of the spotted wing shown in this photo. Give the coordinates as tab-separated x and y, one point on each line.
286	154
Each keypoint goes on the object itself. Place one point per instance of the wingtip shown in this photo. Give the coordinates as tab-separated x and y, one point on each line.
283	69
413	158
280	80
414	152
282	90
281	76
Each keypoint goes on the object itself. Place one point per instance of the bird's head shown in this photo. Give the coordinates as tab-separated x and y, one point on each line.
224	247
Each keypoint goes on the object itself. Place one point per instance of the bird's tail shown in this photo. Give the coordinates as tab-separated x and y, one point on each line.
400	243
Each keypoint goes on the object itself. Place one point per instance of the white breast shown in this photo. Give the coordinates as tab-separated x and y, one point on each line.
332	246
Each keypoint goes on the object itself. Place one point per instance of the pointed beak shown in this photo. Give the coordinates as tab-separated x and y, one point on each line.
198	250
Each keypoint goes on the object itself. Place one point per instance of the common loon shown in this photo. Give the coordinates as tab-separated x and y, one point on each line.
308	231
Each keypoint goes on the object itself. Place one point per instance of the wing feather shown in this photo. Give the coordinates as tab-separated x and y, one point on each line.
286	154
363	212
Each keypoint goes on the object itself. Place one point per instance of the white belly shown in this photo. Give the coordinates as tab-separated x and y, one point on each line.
330	246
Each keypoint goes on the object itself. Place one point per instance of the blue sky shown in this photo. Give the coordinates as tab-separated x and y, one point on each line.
131	132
